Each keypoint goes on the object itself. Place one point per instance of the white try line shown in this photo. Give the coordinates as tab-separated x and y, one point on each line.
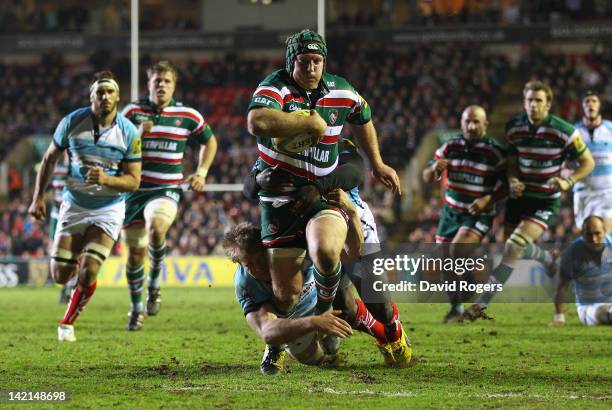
328	390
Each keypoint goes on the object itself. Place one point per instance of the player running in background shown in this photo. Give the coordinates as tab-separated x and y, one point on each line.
476	167
538	144
167	124
104	152
593	195
587	265
332	101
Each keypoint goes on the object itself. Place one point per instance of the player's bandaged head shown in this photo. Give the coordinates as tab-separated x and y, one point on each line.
105	78
306	41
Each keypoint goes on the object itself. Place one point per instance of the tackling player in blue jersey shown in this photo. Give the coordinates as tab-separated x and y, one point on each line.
587	265
104	162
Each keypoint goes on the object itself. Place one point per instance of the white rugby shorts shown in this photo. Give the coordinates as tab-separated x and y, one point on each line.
74	219
587	313
588	203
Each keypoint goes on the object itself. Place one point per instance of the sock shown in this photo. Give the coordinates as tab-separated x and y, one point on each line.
365	322
393	330
327	286
499	276
78	299
455	301
156	255
135	278
533	251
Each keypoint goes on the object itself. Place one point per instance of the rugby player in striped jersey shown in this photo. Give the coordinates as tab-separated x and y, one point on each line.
476	167
332	101
166	125
538	144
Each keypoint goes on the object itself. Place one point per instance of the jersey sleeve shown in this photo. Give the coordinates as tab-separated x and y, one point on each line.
202	132
248	297
267	95
575	146
60	136
361	113
440	153
129	111
134	150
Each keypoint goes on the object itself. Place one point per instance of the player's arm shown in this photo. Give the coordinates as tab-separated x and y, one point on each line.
353	247
368	142
267	122
348	175
434	170
129	181
575	149
206	156
38	208
559	302
512	173
274	330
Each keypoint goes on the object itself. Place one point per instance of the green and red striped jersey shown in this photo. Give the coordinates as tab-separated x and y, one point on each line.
541	151
336	101
475	169
163	147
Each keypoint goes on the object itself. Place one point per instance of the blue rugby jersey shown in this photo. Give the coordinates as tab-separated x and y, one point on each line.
117	143
252	293
599	142
589	271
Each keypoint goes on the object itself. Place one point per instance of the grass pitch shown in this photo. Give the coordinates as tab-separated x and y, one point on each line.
199	353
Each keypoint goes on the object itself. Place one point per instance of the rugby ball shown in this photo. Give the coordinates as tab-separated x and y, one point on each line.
297	143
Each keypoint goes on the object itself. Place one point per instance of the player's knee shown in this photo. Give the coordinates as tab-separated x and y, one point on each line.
325	257
64	265
603	314
136	238
516	244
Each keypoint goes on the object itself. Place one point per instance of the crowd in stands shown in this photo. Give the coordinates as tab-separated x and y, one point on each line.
113	16
410	92
412	13
96	16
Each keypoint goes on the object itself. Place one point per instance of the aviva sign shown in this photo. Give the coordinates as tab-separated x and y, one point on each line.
178	271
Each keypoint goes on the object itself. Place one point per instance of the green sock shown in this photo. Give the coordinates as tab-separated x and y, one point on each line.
135	279
156	256
533	251
499	276
327	286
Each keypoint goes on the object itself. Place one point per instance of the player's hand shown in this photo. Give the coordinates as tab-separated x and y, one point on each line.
388	177
196	182
305	198
516	188
96	175
479	205
440	166
38	209
556	323
275	180
145	127
329	323
340	199
559	183
317	124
